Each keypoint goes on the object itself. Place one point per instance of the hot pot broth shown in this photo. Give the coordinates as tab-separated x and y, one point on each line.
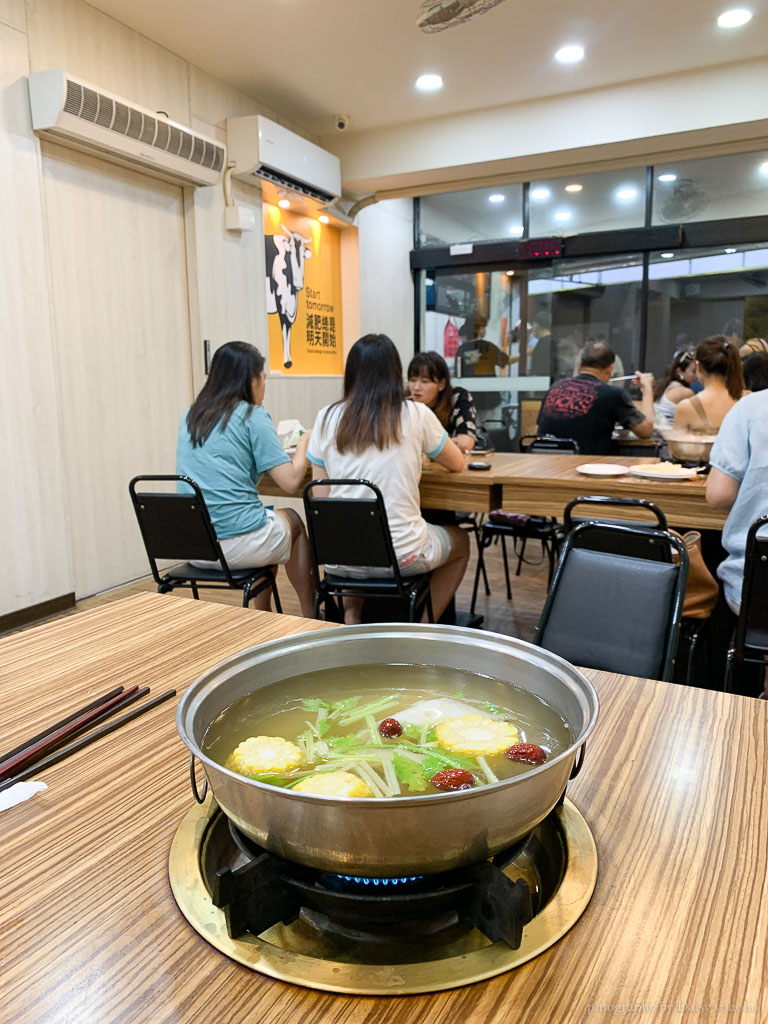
328	721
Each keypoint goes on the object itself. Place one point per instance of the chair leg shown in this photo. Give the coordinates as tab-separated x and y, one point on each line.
552	554
520	558
506	565
276	597
481	561
430	610
479	569
195	592
730	665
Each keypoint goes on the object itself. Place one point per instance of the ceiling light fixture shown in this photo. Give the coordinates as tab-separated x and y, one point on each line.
764	168
540	193
730	251
625	194
667	255
510	273
563	215
284	204
516	230
429	83
570	54
734	18
573	188
324	218
667	177
497	197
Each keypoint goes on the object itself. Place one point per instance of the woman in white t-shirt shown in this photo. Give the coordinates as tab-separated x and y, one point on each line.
374	434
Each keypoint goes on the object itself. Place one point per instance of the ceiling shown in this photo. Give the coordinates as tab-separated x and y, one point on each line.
309	60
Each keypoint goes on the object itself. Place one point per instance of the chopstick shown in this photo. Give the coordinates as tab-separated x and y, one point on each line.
54	739
58	725
84	741
629	376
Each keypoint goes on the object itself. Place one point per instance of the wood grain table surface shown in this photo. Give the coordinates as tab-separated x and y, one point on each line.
673	787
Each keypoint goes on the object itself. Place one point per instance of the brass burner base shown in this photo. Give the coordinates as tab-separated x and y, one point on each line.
281	952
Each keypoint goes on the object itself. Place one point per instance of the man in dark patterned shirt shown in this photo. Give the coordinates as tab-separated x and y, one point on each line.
586	407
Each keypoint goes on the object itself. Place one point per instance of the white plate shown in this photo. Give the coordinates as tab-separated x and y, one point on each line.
602	469
653	473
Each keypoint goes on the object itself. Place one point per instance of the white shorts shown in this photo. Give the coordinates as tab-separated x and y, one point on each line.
269	545
434	553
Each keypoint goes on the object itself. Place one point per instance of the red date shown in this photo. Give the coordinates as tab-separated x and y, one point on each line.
527	753
390	728
453	778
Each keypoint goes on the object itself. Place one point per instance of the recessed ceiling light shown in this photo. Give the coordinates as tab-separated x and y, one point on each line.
284	204
764	167
540	193
625	194
497	197
429	83
563	215
667	255
667	177
570	54
734	18
324	219
730	251
516	230
510	273
573	188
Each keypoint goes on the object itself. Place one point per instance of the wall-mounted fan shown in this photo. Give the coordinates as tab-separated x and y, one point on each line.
685	202
438	15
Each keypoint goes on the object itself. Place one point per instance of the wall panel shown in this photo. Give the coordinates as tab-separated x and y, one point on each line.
36	560
116	251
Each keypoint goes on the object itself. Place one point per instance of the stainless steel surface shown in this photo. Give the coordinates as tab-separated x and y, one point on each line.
399	835
691	448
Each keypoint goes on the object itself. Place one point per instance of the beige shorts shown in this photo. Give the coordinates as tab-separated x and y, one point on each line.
269	545
433	554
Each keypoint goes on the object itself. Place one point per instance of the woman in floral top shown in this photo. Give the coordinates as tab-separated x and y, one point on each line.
429	383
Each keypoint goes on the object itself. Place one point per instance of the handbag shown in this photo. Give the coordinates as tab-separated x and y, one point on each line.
519	520
702	588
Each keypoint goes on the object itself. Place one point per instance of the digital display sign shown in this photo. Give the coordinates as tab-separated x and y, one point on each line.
540	248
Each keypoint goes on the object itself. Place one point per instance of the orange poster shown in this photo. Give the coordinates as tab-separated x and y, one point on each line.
303	279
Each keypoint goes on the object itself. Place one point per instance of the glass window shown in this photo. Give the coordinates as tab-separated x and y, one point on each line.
711	189
604	201
474	215
695	293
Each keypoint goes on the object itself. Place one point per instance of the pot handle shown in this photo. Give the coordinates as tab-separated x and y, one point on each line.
193	782
577	764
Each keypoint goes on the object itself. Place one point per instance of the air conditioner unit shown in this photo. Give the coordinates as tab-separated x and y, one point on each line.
260	148
69	111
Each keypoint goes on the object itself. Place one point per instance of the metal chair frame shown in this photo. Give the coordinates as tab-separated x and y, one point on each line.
753	613
629	534
330	588
204	547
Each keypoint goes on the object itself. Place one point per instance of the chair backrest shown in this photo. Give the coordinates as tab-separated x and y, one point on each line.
614	611
752	627
349	531
535	443
175	525
641	543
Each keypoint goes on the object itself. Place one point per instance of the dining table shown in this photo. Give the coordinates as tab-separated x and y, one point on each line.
544	483
673	788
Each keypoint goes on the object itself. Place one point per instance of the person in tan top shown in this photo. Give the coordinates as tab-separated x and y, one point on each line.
718	367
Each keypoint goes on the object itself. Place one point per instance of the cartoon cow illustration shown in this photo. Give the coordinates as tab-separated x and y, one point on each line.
285	279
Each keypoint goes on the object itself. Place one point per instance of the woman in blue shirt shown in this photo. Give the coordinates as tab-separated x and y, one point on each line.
226	443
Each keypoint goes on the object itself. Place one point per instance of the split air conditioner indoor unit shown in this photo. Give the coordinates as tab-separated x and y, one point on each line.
260	148
71	112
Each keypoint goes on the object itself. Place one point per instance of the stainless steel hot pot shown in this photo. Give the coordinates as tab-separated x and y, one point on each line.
399	835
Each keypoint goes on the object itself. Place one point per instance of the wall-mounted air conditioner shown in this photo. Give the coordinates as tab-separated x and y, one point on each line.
69	111
260	148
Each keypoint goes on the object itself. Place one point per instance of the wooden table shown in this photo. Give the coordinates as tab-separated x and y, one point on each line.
544	484
673	787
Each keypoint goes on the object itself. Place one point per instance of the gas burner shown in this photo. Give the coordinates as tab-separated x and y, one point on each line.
374	936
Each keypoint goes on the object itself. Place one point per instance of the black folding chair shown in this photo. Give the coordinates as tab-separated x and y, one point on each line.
598	503
355	532
750	642
612	611
540	528
178	526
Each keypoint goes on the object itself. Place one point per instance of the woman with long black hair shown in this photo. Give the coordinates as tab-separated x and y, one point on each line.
226	443
429	382
373	433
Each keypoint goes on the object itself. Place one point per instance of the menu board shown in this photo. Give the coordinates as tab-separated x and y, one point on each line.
303	283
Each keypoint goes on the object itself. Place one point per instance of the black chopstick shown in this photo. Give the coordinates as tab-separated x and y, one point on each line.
58	725
90	737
